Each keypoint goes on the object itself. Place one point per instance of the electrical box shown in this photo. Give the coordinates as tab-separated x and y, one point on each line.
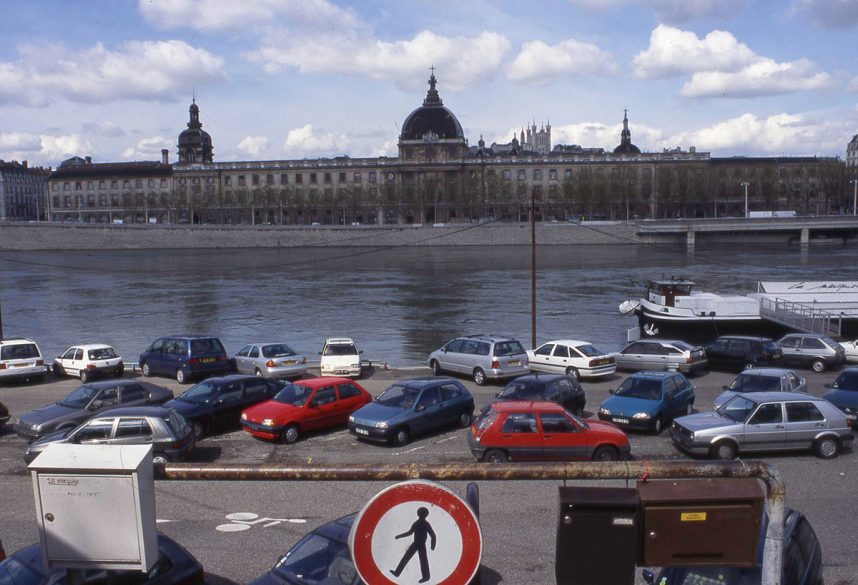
701	522
95	506
597	536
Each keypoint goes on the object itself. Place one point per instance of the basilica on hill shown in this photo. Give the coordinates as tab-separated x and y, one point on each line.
439	177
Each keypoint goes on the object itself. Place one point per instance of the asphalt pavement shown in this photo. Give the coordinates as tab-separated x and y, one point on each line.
239	529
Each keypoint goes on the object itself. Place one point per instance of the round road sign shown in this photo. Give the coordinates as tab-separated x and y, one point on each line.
416	532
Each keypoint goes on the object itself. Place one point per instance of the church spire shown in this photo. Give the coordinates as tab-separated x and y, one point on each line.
432	97
626	135
195	115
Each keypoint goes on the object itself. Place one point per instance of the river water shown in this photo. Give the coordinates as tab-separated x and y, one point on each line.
398	304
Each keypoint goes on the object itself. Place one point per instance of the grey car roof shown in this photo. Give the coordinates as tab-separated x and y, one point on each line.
768	372
781	396
158	411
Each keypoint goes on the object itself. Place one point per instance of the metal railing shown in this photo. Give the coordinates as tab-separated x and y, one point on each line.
801	316
626	470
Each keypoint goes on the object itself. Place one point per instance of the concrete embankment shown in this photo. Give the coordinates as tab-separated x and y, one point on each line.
56	236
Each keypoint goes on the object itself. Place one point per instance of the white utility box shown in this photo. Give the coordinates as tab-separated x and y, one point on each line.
95	505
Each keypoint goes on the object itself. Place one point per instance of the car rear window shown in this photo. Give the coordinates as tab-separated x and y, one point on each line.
340	349
770	346
589	350
277	350
503	348
104	353
210	345
485	419
19	351
178	423
756	383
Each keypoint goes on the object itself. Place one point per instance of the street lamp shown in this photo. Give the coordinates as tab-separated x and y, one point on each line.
854	196
745	185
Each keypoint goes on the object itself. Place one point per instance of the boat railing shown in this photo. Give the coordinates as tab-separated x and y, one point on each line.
801	316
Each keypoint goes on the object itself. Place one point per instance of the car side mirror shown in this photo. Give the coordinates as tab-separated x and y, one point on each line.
94	405
360	352
611	391
419	407
725	388
648	576
498	395
320	353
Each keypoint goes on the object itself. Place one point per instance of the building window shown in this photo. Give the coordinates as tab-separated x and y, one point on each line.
537	174
342	177
195	180
371	177
138	183
507	175
126	184
183	181
269	179
114	184
357	177
55	187
567	173
255	180
552	174
313	178
522	176
327	178
163	183
241	181
101	185
90	186
227	180
284	179
299	178
78	186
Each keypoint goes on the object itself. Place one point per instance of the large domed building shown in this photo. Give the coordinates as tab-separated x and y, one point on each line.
626	146
195	144
432	132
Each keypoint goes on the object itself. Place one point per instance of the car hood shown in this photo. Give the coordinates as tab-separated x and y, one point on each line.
377	412
841	398
271	409
724	397
704	420
186	409
607	430
48	413
41	443
629	406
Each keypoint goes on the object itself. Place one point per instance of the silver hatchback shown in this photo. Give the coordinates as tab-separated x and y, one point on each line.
764	421
763	380
270	360
662	354
483	357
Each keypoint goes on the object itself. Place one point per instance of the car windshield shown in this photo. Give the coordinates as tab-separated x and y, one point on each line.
399	395
846	381
316	559
199	393
80	397
755	383
737	408
102	353
341	349
640	388
178	423
206	345
503	348
516	390
589	350
293	394
276	350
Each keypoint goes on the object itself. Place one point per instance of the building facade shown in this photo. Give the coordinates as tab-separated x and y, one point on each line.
852	156
438	177
22	191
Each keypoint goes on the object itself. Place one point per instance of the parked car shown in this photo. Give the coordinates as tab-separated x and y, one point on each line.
811	350
571	357
413	407
649	401
20	359
88	361
764	421
802	561
560	388
306	405
270	360
340	357
662	354
185	357
166	430
741	352
850	348
763	380
175	566
86	401
843	393
217	403
483	357
543	431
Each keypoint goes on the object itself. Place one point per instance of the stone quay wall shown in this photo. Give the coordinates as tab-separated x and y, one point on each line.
58	236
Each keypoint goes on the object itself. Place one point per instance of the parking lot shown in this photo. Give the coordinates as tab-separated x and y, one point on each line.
518	518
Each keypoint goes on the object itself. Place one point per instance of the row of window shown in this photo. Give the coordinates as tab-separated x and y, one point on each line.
114	184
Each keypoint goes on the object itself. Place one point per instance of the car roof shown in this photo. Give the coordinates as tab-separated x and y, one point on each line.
782	397
231	378
528	405
540	377
187	337
337	530
111	383
266	343
657	375
323	380
335	340
157	411
488	337
768	372
746	337
425	381
88	346
16	341
569	342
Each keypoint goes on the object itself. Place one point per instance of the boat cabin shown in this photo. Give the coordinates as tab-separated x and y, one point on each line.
663	292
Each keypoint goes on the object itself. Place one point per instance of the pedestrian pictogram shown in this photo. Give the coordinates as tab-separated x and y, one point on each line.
416	532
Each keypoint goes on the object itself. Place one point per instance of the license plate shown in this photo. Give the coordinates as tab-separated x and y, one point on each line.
362	431
623	421
604	362
207	360
852	416
514	363
341	372
20	365
288	362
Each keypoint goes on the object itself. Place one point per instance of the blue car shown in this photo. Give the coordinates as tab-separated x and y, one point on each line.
185	357
648	401
843	394
413	407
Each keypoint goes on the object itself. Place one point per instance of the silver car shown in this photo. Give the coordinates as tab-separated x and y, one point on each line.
270	360
483	357
662	354
763	380
810	350
764	421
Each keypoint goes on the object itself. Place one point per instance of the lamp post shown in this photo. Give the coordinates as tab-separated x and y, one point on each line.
745	185
854	196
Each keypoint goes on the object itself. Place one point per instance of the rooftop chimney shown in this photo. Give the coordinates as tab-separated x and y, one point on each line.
165	156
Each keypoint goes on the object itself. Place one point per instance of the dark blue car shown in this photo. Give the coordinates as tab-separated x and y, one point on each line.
648	401
217	403
184	357
413	407
843	394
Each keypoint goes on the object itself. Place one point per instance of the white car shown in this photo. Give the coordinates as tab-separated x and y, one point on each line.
21	359
340	357
851	348
571	357
88	361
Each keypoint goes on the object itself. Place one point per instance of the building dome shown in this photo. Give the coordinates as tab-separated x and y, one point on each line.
626	146
431	121
195	144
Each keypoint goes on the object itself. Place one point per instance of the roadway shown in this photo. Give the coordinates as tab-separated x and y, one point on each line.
518	518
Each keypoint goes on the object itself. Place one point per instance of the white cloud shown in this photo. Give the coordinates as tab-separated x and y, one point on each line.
462	61
542	64
835	14
139	70
147	148
853	85
103	128
254	145
307	142
19	142
765	77
596	134
673	11
55	148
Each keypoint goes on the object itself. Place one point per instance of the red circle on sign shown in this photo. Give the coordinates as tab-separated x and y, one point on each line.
361	535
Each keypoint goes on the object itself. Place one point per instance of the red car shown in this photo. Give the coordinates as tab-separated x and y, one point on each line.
305	405
543	431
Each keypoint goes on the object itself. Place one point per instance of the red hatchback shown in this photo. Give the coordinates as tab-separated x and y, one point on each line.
543	431
305	405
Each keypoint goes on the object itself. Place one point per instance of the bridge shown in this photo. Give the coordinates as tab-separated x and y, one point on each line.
802	230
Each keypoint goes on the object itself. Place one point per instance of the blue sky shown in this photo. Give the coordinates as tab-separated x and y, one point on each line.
282	79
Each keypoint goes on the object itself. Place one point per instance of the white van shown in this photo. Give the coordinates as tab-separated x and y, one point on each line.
340	357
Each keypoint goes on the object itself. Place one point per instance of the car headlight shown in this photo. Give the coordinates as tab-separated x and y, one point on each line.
605	411
243	416
351	418
13	421
268	422
357	365
381	425
641	416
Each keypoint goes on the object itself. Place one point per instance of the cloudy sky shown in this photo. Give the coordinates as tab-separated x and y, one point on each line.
281	79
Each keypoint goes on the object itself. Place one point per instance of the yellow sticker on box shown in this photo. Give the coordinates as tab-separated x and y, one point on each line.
692	517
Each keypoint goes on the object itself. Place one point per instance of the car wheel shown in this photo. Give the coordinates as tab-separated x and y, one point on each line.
725	451
258	373
464	419
58	371
180	376
84	376
657	426
818	365
495	456
146	371
160	460
606	453
436	367
479	377
400	436
573	372
290	434
119	371
39	378
689	409
827	448
199	430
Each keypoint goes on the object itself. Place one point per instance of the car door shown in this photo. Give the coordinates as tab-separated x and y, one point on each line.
349	399
811	348
132	430
632	356
242	359
256	390
133	395
427	413
521	437
226	405
104	398
155	356
791	347
803	422
542	360
68	363
322	408
739	353
684	395
764	429
95	432
562	440
793	383
451	357
716	352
